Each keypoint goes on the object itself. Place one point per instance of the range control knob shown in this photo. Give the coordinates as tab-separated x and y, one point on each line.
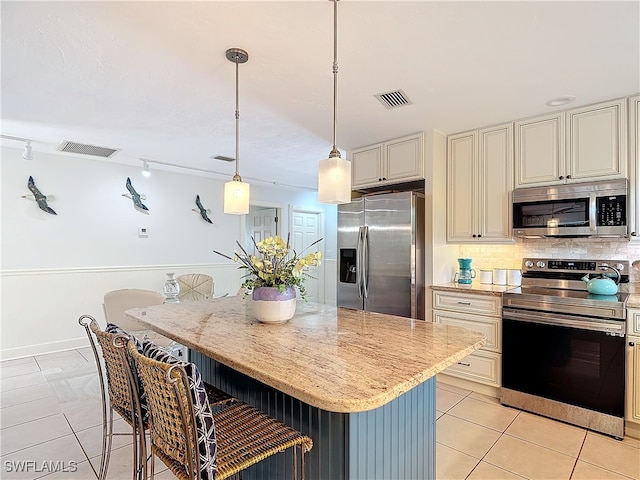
528	264
619	267
540	264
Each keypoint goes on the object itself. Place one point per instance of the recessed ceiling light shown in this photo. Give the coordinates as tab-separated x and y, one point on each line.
559	101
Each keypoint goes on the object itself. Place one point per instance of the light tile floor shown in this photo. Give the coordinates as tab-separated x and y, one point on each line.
50	419
477	438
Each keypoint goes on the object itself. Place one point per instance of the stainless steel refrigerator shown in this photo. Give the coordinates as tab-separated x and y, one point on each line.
381	254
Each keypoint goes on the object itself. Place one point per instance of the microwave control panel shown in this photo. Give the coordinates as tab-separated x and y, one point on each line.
611	211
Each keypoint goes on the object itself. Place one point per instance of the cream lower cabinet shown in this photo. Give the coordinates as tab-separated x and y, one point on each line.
482	313
479	185
632	386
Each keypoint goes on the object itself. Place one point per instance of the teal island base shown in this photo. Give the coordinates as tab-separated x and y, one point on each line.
394	441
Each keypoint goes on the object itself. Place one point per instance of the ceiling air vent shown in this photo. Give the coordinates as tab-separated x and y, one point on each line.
85	149
224	159
394	99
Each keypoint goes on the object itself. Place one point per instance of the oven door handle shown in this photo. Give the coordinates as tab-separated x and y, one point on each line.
532	316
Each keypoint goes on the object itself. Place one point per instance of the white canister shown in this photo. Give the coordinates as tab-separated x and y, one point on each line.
514	277
486	276
499	276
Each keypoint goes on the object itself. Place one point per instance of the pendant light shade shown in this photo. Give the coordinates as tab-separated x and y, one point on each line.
236	197
236	192
334	180
334	173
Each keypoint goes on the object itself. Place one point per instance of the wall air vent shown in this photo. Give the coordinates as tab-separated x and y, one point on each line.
85	149
394	99
224	159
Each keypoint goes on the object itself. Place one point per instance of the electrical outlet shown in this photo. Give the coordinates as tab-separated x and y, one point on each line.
143	232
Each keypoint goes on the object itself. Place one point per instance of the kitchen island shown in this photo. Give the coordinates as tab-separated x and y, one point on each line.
360	384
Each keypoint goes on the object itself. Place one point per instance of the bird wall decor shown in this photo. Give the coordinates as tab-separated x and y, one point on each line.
203	211
136	197
39	197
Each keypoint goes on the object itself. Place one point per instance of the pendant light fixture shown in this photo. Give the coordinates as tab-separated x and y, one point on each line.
236	192
334	173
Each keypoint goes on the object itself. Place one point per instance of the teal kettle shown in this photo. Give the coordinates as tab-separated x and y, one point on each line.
602	285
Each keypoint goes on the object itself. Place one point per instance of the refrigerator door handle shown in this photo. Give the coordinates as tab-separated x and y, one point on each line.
359	248
365	261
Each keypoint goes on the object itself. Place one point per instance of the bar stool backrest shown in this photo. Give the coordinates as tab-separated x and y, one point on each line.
116	302
172	424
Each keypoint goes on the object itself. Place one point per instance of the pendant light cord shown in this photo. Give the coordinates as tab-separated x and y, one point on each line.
237	175
335	153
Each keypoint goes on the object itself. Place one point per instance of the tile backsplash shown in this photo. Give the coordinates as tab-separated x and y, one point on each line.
510	256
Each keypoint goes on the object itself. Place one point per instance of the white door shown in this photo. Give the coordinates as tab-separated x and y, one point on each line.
261	223
306	229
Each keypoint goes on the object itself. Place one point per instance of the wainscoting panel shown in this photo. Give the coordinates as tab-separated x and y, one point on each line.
40	308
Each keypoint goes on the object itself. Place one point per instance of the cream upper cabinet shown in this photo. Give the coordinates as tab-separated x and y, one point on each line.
539	150
634	168
366	166
479	185
394	161
597	141
577	145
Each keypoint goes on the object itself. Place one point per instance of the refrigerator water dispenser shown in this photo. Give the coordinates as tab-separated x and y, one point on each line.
348	265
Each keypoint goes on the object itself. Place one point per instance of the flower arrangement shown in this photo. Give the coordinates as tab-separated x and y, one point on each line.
274	266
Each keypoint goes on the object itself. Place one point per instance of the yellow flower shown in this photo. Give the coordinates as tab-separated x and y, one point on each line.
272	265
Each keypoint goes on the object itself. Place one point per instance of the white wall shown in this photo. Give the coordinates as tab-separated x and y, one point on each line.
55	268
438	253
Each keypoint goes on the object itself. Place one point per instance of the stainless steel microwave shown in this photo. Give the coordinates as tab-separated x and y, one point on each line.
592	209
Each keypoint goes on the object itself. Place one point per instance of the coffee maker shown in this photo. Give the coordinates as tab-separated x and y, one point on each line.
466	274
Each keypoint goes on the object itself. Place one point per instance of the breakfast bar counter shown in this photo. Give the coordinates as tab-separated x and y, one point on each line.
361	384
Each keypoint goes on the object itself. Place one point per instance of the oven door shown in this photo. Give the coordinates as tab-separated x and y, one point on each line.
570	359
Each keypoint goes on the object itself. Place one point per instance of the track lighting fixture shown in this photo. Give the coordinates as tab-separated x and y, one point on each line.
145	169
27	154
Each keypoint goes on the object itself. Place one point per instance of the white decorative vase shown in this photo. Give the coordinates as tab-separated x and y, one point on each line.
269	305
171	289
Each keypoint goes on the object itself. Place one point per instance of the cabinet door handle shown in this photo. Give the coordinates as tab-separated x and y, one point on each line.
379	179
464	303
479	235
464	364
474	235
561	177
568	176
632	344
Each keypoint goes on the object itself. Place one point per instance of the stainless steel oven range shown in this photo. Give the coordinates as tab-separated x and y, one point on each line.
563	348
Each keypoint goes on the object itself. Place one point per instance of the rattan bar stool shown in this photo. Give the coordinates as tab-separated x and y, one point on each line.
123	393
117	395
197	442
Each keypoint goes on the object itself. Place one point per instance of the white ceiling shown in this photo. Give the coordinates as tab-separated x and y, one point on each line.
151	78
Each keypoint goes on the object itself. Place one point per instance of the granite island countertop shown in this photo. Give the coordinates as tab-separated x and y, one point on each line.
336	359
